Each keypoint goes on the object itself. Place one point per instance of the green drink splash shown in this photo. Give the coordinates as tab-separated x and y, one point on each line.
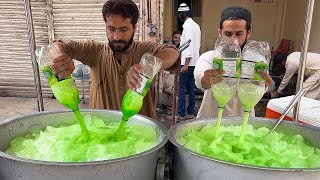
249	93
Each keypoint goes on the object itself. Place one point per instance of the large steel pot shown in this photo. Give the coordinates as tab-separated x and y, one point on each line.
188	165
137	167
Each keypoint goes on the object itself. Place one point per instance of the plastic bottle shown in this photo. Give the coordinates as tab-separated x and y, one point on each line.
64	90
133	100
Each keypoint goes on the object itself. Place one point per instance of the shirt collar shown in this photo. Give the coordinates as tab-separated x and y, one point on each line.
130	48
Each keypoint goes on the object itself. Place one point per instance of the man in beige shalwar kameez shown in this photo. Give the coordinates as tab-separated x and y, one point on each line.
312	72
114	64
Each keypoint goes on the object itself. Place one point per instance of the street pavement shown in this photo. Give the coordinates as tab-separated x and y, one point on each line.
11	107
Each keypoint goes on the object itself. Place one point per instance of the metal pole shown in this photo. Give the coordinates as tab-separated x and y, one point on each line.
175	95
303	57
32	47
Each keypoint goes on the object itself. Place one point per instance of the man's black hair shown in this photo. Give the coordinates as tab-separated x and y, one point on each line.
184	14
176	32
236	13
124	8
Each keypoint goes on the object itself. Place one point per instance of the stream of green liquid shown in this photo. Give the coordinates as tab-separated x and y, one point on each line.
131	105
83	126
249	95
243	128
67	93
216	133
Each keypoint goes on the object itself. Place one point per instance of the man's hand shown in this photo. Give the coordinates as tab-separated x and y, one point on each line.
211	76
274	94
184	69
266	76
62	64
133	77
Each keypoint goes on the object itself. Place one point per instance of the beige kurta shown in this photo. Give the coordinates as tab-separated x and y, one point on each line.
312	72
108	76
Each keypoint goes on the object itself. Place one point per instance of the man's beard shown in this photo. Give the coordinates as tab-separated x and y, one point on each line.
120	48
245	42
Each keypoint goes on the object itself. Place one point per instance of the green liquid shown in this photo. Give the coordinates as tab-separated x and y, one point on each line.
121	129
132	103
67	93
130	106
216	133
48	74
222	92
66	143
260	149
249	95
83	126
243	128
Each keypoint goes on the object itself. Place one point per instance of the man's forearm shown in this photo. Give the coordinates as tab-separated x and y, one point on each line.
286	79
169	56
187	62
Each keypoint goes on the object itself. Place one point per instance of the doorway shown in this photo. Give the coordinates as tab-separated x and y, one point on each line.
196	9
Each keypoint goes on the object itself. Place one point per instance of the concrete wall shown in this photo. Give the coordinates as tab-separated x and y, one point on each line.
270	21
168	19
294	24
266	20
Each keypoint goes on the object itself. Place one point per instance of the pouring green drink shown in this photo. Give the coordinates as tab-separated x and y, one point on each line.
249	92
227	55
65	90
133	100
223	92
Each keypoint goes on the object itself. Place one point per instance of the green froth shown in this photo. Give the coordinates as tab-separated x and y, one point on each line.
66	143
275	150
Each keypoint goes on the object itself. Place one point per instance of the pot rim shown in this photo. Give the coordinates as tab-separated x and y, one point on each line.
162	127
172	132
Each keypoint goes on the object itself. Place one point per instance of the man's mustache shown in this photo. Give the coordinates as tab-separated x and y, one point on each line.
119	41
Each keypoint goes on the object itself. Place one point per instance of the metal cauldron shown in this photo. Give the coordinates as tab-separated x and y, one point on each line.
137	167
188	165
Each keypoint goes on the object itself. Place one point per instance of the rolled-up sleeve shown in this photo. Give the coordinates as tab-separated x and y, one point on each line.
204	63
292	66
290	71
86	51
